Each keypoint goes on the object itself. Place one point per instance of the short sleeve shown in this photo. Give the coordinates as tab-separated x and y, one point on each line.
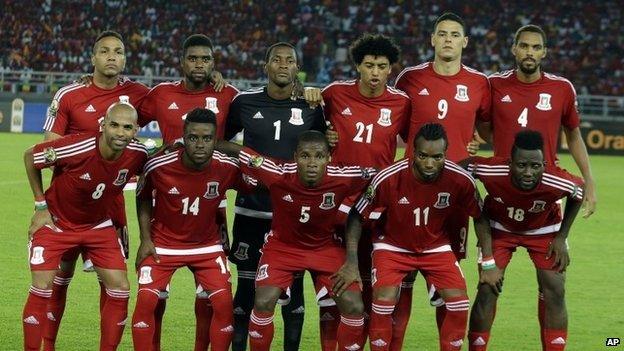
57	116
570	117
147	108
262	168
56	152
485	105
233	123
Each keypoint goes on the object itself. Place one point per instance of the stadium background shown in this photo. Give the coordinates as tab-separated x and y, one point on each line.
46	44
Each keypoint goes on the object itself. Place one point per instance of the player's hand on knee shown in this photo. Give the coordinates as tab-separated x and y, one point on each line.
559	248
146	249
39	219
313	96
342	279
590	200
492	277
218	83
332	135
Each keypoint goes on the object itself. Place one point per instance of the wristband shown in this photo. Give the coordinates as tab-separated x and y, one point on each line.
488	263
41	205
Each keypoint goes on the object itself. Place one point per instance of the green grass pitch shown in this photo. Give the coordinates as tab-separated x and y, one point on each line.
595	288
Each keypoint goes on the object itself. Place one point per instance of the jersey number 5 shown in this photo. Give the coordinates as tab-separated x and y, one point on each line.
305	215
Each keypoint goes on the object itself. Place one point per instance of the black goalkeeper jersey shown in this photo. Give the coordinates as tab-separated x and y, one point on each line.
271	127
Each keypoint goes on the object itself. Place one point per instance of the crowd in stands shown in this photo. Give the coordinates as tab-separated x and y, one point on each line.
585	38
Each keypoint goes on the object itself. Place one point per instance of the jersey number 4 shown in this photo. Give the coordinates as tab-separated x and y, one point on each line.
523	119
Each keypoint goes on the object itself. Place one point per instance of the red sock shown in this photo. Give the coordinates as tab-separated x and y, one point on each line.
203	315
143	321
555	340
261	330
34	317
328	326
221	325
350	332
159	313
381	325
541	314
478	341
453	328
401	316
56	308
114	315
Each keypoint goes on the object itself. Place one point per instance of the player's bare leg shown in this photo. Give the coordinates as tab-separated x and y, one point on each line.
34	315
115	311
402	312
261	327
453	329
384	301
482	317
556	315
56	304
350	330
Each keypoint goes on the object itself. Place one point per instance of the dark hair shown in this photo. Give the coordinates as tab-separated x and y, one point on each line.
528	140
201	115
313	136
196	40
375	45
430	132
450	16
106	34
530	28
267	55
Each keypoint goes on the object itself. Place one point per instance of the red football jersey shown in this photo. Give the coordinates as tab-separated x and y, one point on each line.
187	200
544	106
77	108
524	212
414	213
455	101
367	127
304	217
168	104
84	185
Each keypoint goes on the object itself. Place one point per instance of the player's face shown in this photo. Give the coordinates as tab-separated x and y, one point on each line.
449	40
312	159
197	64
527	167
109	57
374	71
282	66
529	52
429	156
199	142
119	128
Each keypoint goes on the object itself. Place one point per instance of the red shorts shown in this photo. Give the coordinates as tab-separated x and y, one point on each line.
457	227
504	244
440	269
211	271
102	245
279	263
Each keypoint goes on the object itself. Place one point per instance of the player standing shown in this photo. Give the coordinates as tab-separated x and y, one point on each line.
90	171
430	190
80	108
168	104
458	97
522	204
181	228
271	122
367	117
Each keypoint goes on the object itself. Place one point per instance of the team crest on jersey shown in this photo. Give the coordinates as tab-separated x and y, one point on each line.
384	117
241	251
124	99
538	206
121	177
328	201
212	190
49	155
263	272
53	109
444	200
256	161
37	255
145	275
296	117
211	104
544	102
462	93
